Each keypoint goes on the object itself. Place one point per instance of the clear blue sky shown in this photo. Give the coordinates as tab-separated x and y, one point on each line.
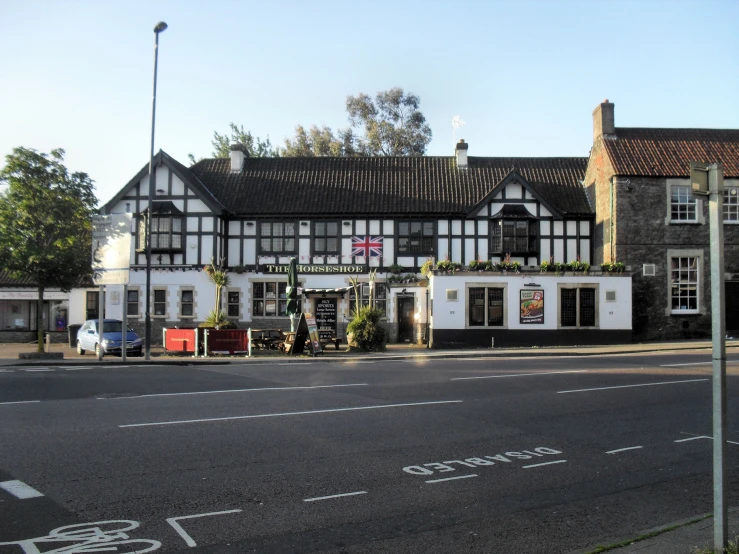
523	75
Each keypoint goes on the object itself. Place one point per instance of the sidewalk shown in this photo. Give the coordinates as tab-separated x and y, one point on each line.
676	538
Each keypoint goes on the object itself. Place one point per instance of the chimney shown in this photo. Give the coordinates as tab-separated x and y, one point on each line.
603	120
461	152
238	154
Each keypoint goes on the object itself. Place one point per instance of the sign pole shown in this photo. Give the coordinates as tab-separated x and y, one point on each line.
124	321
101	316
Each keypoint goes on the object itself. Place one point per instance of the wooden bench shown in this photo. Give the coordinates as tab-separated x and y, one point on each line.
334	340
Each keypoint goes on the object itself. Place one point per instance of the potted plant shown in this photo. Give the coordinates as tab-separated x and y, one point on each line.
444	265
395	269
239	269
613	267
427	266
578	265
455	266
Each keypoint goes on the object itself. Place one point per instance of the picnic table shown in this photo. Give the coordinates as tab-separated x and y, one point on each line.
267	339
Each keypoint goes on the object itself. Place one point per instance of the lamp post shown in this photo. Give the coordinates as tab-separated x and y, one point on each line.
161	26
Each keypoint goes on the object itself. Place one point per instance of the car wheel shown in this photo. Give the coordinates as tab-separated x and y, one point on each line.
80	350
97	351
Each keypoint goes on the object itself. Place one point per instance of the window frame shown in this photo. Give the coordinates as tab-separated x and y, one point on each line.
579	305
680	285
381	303
503	287
278	300
427	246
697	203
170	233
182	303
731	204
325	236
531	236
229	304
129	303
272	237
154	302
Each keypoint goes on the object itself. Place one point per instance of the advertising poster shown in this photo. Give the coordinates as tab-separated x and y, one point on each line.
532	306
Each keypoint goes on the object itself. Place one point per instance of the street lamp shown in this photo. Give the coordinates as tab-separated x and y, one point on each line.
161	26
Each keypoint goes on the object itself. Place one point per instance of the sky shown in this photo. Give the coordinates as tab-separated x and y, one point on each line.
524	75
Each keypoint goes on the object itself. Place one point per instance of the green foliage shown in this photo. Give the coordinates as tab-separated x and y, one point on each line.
427	266
218	275
444	265
218	320
546	266
474	265
456	266
257	147
366	331
318	142
395	268
613	267
392	123
577	265
45	221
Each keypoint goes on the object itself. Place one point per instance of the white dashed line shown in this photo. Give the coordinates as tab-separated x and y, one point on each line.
311	412
20	402
519	375
624	449
37	370
234	390
19	489
545	464
695	438
632	386
333	496
452	478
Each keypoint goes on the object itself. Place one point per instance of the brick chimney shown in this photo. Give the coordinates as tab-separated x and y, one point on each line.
603	120
238	154
461	151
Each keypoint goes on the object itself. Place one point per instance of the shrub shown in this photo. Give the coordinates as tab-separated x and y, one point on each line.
367	333
218	321
427	266
395	269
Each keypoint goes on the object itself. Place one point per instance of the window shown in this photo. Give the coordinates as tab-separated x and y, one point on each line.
684	284
277	237
416	237
513	236
577	307
160	302
234	303
269	299
326	237
683	205
187	302
132	303
92	304
380	300
166	233
731	204
485	308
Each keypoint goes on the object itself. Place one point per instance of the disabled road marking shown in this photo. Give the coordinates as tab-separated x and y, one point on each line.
19	489
545	464
452	478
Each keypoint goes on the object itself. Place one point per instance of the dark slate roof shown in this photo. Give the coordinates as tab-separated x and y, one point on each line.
668	152
7	281
385	186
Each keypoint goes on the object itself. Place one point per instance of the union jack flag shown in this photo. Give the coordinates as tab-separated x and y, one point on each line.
367	246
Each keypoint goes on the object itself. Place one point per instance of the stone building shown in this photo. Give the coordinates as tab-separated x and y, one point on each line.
647	217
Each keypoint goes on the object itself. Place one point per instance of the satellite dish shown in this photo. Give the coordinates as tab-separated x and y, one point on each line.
457	122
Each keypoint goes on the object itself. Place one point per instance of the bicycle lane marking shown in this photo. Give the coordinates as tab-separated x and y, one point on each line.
182	533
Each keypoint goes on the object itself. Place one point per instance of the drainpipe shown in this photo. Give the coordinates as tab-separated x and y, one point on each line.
610	223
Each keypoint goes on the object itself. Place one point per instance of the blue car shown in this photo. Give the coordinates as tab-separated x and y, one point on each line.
87	338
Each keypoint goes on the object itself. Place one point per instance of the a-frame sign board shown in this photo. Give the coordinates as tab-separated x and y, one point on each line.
307	332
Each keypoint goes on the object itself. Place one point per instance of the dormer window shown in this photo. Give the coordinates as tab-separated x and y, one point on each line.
513	230
166	228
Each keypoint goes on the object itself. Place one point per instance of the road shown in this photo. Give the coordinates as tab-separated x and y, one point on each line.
450	455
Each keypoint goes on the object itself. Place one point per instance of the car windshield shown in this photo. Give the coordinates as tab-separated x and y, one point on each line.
113	327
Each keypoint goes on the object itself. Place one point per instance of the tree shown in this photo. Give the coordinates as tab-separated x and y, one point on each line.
393	124
257	147
319	142
45	223
220	278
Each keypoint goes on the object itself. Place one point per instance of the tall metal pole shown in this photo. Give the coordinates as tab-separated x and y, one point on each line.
161	26
718	332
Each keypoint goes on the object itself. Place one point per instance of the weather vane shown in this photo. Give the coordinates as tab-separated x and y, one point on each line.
456	124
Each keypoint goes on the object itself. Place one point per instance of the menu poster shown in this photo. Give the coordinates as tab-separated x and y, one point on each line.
532	306
326	317
313	333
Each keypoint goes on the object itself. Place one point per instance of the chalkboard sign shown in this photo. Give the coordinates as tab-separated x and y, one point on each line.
306	331
326	318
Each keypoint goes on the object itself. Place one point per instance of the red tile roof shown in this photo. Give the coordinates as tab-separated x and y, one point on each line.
668	152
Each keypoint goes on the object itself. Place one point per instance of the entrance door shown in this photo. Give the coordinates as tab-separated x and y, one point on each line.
326	318
406	304
731	309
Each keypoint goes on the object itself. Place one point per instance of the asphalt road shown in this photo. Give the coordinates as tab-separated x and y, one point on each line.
467	455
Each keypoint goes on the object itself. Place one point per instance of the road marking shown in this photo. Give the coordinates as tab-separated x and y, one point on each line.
354	363
20	402
19	489
519	375
624	449
333	496
695	438
181	532
452	478
630	386
298	362
310	412
233	390
36	370
693	363
73	368
6	371
545	464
